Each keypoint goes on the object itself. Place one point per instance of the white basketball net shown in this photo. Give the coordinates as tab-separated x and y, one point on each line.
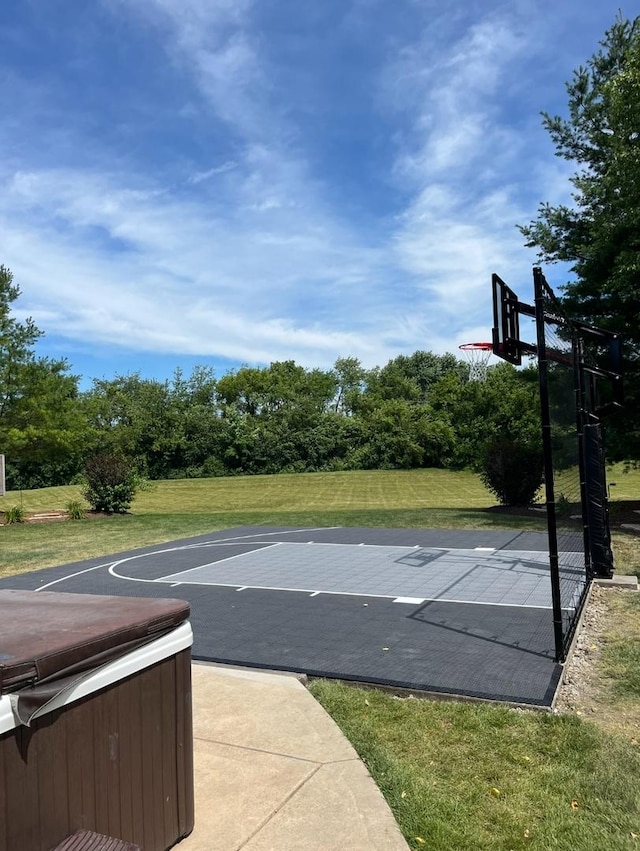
477	355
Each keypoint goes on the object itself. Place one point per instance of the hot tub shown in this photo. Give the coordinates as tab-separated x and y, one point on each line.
95	719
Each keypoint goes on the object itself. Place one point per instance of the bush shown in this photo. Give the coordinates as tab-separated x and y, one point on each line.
513	471
111	483
15	514
212	467
75	510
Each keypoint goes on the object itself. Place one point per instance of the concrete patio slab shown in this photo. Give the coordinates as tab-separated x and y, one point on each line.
273	771
269	712
238	791
339	808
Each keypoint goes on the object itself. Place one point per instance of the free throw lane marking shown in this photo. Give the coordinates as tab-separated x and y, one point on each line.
173	575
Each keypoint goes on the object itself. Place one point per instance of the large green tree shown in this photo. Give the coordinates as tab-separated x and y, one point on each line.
135	418
598	235
42	431
17	340
169	429
504	406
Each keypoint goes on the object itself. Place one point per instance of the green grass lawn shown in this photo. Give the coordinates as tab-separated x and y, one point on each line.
325	492
624	485
179	508
469	776
376	489
458	776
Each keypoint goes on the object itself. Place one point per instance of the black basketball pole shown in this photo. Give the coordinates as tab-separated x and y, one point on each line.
545	417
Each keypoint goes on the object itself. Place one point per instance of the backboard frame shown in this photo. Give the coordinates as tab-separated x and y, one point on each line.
506	322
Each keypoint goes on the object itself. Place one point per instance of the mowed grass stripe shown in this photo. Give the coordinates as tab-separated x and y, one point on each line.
352	490
370	490
358	489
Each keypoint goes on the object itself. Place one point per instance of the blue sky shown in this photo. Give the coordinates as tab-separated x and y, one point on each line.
222	182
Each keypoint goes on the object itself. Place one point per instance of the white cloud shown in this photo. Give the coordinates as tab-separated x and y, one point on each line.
199	176
452	90
213	42
466	170
140	268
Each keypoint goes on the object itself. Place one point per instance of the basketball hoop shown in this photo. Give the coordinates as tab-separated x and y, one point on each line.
477	354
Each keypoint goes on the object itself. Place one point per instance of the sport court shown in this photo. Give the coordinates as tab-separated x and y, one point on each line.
457	612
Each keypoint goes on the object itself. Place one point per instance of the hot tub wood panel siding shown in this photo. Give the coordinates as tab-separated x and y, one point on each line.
118	762
184	748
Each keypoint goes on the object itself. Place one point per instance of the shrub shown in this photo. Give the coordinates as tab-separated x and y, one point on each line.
212	467
512	470
15	514
75	510
111	483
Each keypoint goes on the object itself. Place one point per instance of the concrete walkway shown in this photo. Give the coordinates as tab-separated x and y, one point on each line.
274	773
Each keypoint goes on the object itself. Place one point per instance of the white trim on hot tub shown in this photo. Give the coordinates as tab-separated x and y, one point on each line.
168	645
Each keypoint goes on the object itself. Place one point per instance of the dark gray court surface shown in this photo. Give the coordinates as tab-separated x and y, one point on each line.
458	611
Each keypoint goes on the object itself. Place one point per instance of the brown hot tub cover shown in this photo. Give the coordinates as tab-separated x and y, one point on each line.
50	639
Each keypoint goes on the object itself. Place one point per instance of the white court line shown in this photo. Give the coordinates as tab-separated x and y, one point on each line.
313	593
269	545
265	534
234	539
236	544
115	564
501	553
71	575
335	544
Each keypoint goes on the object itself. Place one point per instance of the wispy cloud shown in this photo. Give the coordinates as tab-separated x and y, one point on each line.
464	166
199	176
145	269
214	44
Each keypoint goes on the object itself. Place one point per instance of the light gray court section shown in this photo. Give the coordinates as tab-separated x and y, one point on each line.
514	578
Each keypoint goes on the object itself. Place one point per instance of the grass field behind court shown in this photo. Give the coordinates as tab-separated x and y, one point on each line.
359	489
348	491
